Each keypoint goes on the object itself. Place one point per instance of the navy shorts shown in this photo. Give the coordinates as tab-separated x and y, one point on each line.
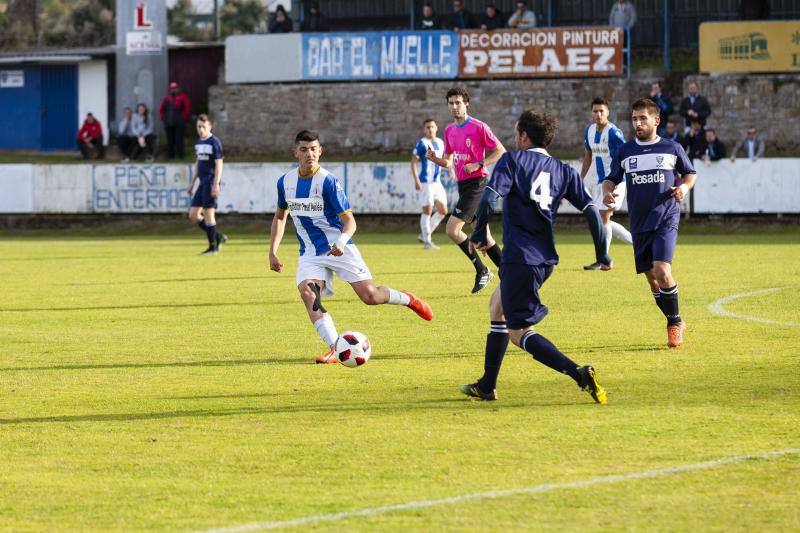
656	245
202	197
519	292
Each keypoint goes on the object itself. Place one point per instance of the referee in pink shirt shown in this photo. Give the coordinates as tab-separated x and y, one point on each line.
469	147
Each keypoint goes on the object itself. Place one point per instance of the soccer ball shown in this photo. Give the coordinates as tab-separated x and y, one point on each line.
353	349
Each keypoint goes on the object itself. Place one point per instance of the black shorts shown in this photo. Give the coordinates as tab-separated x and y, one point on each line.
202	196
469	194
519	292
657	245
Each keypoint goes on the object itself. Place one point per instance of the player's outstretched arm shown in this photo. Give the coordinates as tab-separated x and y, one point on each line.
596	228
348	230
275	237
486	207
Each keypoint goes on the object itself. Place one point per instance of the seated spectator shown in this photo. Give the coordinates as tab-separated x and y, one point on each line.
492	19
715	149
523	18
694	106
126	140
460	18
661	98
428	21
622	15
754	9
695	140
90	138
671	133
280	22
143	130
752	145
315	21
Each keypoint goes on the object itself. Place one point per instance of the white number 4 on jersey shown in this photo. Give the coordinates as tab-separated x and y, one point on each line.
540	191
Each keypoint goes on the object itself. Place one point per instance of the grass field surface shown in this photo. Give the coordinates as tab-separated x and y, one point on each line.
145	388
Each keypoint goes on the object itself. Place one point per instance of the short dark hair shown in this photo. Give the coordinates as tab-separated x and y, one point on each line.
646	104
429	120
600	101
202	117
656	83
306	136
712	130
539	125
458	91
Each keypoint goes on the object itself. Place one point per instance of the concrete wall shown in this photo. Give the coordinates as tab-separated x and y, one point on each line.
357	118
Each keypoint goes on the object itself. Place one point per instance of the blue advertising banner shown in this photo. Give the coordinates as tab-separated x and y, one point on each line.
380	55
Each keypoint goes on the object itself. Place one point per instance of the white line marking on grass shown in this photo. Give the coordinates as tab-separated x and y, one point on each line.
546	487
718	307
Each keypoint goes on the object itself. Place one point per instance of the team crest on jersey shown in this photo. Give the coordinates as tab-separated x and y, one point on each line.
659	160
469	143
632	163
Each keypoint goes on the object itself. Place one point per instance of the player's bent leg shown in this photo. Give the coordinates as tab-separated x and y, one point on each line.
310	292
439	214
605	217
372	295
454	229
425	228
668	299
496	345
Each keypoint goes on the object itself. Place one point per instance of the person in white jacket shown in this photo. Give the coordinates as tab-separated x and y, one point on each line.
623	14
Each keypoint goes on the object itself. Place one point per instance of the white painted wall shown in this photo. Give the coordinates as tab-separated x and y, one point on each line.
259	58
93	94
16	182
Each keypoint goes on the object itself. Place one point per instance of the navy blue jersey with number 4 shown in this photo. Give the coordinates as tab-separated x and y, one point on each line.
533	183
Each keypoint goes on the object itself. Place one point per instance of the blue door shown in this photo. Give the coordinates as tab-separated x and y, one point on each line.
20	100
59	108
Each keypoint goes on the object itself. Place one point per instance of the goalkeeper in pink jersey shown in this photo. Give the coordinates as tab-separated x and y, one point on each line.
469	147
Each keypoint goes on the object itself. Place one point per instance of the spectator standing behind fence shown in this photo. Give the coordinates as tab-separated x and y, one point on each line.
751	144
174	112
523	18
143	130
428	21
672	134
280	22
460	18
695	141
623	14
694	106
661	98
315	21
90	138
126	140
715	149
754	9
492	19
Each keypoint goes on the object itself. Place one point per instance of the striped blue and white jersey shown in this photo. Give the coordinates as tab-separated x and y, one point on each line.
603	145
431	172
315	204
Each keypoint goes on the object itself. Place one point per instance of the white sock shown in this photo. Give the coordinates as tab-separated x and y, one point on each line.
425	227
326	330
436	218
608	236
397	297
619	231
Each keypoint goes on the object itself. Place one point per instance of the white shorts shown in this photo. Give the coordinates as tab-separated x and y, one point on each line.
432	192
597	197
350	267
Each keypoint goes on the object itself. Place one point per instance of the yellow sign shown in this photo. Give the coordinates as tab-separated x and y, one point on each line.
750	46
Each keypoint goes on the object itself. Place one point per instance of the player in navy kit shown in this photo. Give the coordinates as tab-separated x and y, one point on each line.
208	170
532	184
659	174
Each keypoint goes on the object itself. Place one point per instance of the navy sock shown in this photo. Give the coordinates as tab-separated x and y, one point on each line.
496	344
476	261
212	235
659	302
669	301
543	351
203	226
495	254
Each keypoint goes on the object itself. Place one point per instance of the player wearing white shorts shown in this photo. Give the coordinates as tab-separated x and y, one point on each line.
601	141
428	183
324	225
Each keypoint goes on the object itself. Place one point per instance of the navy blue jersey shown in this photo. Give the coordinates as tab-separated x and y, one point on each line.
208	151
533	184
649	170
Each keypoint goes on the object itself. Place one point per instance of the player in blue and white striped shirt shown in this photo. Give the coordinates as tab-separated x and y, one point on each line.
428	183
324	225
601	140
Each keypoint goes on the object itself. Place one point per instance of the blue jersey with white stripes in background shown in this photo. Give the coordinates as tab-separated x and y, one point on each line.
603	144
315	204
430	172
650	170
532	184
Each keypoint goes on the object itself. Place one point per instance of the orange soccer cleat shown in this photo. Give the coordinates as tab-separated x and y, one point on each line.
675	334
419	306
328	358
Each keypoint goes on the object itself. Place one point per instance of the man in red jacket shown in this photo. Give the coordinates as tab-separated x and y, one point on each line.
174	113
90	138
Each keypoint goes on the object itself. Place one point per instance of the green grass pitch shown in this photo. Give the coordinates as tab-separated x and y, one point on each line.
145	388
